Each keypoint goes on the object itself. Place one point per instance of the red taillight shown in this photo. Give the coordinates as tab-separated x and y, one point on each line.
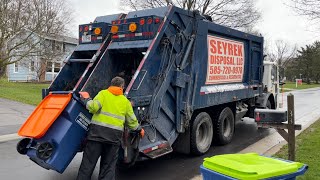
86	28
80	29
149	21
119	22
115	37
157	20
142	21
258	117
130	35
147	33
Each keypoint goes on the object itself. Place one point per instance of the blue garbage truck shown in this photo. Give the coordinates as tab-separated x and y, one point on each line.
189	80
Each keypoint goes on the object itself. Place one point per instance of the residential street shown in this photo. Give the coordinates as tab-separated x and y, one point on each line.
172	166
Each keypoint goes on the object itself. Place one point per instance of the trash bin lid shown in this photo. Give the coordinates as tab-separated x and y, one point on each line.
250	166
44	115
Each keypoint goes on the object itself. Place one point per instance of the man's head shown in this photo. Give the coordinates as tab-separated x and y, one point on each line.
117	81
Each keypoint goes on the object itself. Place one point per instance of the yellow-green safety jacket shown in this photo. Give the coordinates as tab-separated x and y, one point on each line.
111	109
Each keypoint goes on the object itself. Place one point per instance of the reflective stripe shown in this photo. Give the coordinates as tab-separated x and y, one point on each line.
113	115
99	104
135	128
89	104
107	125
132	117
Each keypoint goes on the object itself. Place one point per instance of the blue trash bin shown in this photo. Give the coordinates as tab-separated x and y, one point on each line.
63	139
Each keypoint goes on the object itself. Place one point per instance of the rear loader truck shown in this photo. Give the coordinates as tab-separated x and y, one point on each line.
189	81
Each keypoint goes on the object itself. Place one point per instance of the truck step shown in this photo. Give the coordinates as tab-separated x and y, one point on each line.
158	151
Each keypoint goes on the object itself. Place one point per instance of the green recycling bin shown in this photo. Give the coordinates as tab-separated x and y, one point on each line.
250	166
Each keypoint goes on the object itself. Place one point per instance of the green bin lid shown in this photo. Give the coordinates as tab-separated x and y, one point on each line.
250	166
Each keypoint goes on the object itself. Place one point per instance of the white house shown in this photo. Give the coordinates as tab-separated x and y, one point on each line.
39	67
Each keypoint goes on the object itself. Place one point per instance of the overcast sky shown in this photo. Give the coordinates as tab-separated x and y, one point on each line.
278	21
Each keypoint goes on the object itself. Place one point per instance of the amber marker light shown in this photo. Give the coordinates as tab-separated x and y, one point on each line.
97	31
114	29
132	27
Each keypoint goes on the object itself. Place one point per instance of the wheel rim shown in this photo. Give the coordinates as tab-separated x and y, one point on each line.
45	150
226	127
202	137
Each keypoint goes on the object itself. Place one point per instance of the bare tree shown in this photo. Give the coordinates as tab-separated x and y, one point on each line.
239	14
26	24
309	8
283	54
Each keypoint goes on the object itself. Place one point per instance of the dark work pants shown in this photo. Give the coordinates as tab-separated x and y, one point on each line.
108	161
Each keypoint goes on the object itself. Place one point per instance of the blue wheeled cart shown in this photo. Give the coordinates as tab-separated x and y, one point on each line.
62	140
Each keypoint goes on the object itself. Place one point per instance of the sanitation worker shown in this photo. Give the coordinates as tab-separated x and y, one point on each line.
111	111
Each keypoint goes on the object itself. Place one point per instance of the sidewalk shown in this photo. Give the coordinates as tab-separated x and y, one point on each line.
12	115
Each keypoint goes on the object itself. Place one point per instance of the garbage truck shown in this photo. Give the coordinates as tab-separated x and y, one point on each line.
189	81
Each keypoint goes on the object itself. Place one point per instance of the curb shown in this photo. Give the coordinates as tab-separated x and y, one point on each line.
9	137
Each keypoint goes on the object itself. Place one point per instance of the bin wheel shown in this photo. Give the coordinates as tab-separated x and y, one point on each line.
22	146
44	150
224	126
201	133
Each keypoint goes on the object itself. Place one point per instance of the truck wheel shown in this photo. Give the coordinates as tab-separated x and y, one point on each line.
201	134
224	126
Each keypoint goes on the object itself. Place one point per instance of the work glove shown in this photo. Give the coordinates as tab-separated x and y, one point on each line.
84	97
140	130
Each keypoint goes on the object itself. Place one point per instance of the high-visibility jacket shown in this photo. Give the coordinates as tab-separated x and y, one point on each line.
111	109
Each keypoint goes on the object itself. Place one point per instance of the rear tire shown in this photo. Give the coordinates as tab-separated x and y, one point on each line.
224	126
201	134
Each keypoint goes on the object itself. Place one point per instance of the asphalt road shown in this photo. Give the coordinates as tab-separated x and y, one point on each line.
172	166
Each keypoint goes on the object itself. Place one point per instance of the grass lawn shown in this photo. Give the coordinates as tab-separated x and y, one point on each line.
307	151
292	85
29	93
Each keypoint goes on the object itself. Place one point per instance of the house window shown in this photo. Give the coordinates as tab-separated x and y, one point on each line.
58	46
64	47
57	67
49	67
53	43
32	66
16	67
